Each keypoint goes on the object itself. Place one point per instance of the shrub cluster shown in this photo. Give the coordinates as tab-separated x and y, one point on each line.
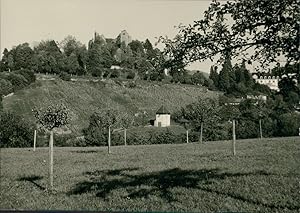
96	137
65	76
14	132
16	80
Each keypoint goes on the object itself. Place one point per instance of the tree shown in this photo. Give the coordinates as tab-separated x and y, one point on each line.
289	90
200	112
94	61
198	78
5	60
224	77
6	87
126	122
137	48
180	117
231	113
70	45
48	58
269	28
14	131
54	116
288	124
252	113
148	46
100	127
214	76
22	55
76	55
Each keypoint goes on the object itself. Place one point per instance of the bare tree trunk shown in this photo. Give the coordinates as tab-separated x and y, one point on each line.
201	133
34	140
51	160
234	137
125	137
260	129
187	136
109	140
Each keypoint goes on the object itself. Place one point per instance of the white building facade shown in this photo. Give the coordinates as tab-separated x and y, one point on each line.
268	80
163	118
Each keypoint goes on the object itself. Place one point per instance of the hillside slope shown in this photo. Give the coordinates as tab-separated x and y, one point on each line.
84	98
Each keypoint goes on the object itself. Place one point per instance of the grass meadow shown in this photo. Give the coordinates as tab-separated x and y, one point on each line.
264	176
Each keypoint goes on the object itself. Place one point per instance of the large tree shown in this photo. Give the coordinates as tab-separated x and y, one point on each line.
200	112
269	28
48	57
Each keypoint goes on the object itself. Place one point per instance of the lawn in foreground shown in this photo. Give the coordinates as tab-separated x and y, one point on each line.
263	176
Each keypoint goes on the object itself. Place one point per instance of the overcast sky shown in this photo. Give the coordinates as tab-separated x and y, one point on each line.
35	20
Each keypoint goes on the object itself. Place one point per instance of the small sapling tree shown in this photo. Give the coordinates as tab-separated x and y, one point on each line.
263	112
200	112
232	114
104	121
126	122
54	116
180	117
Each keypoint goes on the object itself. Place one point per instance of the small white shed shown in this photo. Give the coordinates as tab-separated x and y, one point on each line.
163	117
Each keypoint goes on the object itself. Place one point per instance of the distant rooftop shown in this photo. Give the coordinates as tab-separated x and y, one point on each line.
163	110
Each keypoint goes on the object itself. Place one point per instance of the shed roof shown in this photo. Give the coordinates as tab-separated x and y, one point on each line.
163	110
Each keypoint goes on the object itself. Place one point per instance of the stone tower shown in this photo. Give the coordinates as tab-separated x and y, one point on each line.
124	36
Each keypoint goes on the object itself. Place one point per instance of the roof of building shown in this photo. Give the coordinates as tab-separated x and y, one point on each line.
163	110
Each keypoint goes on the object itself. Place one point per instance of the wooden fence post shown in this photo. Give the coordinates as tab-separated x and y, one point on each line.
34	140
125	137
187	136
234	137
260	129
201	133
109	140
51	160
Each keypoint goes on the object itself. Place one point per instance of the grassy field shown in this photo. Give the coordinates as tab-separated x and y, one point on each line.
264	176
84	98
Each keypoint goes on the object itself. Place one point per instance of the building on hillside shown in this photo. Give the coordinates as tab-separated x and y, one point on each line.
271	80
267	79
116	67
163	117
125	37
257	97
233	101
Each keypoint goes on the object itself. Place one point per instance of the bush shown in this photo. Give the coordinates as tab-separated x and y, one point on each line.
131	84
98	72
115	74
247	129
130	74
94	136
65	76
28	75
14	132
6	87
288	124
18	81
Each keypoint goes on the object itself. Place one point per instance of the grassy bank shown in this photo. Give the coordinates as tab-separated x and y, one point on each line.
264	176
84	98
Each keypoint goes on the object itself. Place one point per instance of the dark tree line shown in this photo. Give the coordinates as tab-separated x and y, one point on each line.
236	80
74	58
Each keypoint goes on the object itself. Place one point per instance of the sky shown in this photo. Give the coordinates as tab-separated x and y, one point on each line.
35	20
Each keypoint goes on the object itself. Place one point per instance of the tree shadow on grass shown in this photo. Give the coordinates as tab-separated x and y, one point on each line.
32	179
161	183
86	151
